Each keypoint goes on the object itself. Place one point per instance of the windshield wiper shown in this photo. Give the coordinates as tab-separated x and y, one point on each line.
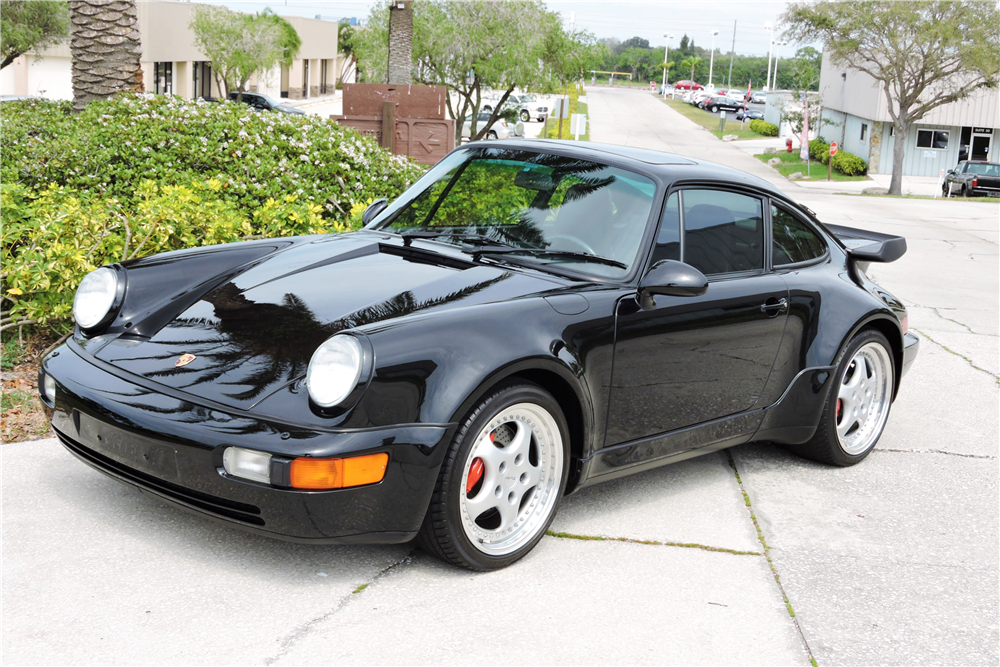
596	259
468	238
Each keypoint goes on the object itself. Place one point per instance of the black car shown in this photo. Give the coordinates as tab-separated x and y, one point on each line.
260	102
715	102
973	178
749	114
526	320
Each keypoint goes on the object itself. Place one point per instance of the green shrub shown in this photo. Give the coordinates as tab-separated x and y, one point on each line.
141	174
849	165
763	127
819	151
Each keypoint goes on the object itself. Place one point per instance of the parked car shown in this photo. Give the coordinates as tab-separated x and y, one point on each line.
527	107
749	115
260	102
687	84
699	97
516	326
758	97
973	179
714	103
737	95
499	130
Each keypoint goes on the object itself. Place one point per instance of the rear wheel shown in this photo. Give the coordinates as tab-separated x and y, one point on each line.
965	192
524	115
714	109
858	406
492	135
501	481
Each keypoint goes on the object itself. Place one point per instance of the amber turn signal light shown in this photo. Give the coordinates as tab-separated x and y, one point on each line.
338	473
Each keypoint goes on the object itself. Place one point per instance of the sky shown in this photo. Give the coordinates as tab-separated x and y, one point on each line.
649	19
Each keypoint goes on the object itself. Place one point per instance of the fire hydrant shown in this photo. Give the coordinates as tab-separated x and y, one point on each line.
788	145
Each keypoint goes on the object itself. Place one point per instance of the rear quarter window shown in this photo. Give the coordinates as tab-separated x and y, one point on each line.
793	241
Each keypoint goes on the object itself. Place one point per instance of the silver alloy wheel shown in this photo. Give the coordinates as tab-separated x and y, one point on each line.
516	482
863	399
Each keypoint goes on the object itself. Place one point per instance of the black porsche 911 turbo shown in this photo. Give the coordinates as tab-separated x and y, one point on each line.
524	321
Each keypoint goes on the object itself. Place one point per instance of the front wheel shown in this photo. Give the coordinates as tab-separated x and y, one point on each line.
524	115
501	481
714	109
492	136
858	406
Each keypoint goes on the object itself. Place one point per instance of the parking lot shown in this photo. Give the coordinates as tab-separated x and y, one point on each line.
748	556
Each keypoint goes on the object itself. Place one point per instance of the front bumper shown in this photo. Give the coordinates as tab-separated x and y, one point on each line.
172	449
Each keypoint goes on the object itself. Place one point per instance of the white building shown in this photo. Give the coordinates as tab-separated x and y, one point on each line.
856	108
172	64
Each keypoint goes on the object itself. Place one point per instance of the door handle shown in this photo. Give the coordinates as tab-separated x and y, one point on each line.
774	306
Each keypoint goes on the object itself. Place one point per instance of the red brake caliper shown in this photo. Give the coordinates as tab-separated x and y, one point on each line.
840	403
475	474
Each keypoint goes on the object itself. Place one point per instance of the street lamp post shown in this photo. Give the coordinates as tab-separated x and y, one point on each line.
711	60
666	51
777	57
770	28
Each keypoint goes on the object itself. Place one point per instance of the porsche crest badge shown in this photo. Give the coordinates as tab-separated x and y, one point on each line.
184	360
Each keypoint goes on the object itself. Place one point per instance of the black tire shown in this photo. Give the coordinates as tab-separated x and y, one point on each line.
966	192
945	190
524	115
825	446
487	109
492	136
442	533
714	109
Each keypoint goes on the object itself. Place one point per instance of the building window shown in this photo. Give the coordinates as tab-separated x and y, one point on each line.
202	79
163	74
864	131
932	139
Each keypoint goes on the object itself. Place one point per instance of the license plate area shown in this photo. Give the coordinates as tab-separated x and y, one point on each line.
135	451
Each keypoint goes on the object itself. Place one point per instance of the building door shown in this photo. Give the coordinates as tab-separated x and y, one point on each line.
981	144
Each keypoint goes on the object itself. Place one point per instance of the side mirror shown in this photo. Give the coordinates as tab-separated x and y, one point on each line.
373	210
671	278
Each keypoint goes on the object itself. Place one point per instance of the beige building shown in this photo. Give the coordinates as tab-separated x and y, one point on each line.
172	64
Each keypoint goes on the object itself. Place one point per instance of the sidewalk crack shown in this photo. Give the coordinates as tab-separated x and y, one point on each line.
630	540
770	563
995	377
302	630
936	451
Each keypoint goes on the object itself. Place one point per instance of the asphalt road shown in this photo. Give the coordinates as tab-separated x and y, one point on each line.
893	561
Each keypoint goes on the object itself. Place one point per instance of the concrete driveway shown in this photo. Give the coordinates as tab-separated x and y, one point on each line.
751	556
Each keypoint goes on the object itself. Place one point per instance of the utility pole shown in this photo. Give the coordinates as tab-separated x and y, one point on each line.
770	50
732	54
666	51
711	60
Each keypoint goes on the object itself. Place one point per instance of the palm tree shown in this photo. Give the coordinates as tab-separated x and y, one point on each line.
105	49
692	62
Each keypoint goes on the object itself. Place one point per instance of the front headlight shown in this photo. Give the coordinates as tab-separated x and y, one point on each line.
94	297
334	370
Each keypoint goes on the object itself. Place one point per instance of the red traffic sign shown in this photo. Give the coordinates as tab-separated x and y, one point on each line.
833	149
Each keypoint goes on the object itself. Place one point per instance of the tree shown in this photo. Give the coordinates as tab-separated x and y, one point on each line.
290	40
475	47
692	62
345	47
924	54
27	25
634	43
105	49
805	68
240	45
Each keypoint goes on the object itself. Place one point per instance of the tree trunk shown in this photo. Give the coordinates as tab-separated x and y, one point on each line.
105	48
898	151
400	43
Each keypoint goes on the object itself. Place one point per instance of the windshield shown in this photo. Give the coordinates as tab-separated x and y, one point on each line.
527	98
532	207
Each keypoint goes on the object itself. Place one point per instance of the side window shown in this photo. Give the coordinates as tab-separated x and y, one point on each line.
723	231
668	237
793	240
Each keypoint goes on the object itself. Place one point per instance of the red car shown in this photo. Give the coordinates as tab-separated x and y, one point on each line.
688	85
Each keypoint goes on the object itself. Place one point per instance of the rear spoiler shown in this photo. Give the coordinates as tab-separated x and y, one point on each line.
865	246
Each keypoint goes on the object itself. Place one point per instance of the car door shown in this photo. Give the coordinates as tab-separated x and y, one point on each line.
690	360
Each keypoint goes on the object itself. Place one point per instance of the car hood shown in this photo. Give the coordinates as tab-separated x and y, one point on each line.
255	330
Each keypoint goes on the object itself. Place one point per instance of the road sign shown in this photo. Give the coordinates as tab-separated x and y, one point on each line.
578	124
561	109
833	149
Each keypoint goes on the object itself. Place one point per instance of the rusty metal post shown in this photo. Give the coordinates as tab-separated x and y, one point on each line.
389	126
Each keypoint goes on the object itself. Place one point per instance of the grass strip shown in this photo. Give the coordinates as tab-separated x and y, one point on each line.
686	545
791	163
710	121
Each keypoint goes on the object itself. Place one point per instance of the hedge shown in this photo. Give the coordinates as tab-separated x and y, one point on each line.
819	151
763	127
849	165
140	174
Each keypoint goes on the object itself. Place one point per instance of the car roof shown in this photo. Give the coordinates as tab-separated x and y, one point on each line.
668	166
